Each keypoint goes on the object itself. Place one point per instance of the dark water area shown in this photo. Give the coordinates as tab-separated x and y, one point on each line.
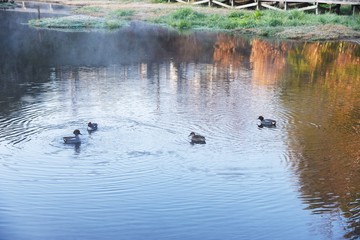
137	176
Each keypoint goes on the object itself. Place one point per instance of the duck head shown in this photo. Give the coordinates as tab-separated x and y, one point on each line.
77	132
192	134
261	118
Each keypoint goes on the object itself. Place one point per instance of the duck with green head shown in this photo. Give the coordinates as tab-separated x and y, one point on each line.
73	139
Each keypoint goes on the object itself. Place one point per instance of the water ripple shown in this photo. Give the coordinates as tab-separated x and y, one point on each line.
140	166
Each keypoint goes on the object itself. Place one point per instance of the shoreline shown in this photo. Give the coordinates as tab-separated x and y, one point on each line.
147	12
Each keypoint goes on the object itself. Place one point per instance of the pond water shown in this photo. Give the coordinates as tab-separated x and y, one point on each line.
137	176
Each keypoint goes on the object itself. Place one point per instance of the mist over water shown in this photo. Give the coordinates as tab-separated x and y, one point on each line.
138	177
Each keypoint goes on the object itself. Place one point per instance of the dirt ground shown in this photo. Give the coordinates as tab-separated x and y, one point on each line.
146	10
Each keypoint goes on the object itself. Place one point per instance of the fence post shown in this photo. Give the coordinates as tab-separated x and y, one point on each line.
258	5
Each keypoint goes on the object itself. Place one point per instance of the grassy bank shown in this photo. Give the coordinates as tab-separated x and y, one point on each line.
114	20
269	21
290	24
178	16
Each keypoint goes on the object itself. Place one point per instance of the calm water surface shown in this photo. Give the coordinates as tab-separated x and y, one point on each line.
138	177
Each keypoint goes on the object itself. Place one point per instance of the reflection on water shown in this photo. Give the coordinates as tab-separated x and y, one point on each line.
137	176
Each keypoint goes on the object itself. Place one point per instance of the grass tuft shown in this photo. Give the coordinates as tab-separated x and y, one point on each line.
159	1
185	18
90	10
118	14
7	5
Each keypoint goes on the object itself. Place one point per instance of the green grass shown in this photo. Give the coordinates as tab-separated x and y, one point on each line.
120	14
98	11
108	20
7	5
89	10
159	1
187	18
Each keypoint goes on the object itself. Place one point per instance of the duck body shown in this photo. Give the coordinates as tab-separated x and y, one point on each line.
197	139
73	139
266	122
92	126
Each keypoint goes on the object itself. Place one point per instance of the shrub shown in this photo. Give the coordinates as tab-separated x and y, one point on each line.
257	14
296	15
112	24
275	22
182	24
236	14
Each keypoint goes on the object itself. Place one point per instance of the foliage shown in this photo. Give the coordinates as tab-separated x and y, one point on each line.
357	25
257	14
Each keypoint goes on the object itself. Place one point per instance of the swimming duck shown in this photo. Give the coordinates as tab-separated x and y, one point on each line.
75	139
92	126
197	139
266	122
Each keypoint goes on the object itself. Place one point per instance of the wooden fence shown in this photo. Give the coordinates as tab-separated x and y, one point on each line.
281	5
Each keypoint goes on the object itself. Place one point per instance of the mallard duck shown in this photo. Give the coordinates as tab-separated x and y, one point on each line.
266	122
75	139
197	139
92	126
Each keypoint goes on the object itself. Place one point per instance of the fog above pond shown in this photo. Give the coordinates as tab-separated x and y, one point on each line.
148	87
